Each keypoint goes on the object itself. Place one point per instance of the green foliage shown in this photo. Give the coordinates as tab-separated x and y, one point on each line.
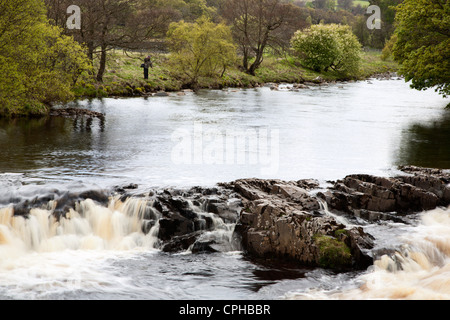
38	65
377	38
387	50
199	49
333	253
423	43
325	4
190	9
324	47
345	4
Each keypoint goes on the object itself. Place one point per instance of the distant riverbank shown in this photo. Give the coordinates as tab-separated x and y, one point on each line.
124	77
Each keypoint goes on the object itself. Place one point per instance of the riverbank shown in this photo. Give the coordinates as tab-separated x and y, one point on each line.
124	77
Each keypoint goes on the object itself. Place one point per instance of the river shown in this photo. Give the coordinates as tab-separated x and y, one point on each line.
201	139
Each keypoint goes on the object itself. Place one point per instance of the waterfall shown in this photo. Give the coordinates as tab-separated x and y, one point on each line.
89	226
220	234
324	207
420	269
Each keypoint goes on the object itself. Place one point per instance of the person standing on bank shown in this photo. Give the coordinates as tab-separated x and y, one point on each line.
146	65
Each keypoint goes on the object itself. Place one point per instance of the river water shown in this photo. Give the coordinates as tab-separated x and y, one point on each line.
325	133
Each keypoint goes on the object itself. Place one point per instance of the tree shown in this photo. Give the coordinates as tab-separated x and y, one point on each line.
423	43
109	24
345	4
38	65
190	10
258	24
325	4
379	37
324	47
199	49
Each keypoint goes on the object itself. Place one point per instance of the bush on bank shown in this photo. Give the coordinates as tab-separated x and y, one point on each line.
124	77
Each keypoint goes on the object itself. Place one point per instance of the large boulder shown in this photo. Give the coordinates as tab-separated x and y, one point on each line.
378	198
282	220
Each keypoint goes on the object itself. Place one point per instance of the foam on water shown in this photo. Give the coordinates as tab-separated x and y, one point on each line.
418	270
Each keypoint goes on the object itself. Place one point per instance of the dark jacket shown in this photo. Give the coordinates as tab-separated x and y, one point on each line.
147	63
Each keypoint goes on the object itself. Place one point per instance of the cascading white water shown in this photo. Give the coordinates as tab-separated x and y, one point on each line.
89	227
418	270
42	256
221	232
324	207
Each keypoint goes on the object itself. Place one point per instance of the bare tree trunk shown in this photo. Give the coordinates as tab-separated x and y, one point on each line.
102	67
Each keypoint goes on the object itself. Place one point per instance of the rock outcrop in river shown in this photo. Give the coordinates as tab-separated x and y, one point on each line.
290	219
298	221
378	198
282	220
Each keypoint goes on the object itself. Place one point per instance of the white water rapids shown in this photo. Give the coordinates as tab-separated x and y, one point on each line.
325	133
41	256
418	270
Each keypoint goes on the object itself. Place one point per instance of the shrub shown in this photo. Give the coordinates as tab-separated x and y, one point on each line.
200	49
324	47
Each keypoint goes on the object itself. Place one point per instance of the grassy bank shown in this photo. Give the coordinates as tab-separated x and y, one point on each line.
124	77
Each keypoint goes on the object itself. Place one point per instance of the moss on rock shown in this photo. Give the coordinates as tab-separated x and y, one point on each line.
333	253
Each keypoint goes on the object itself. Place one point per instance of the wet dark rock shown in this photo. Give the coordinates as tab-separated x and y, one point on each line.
181	243
161	94
147	225
63	201
186	214
174	225
123	189
204	247
379	198
280	221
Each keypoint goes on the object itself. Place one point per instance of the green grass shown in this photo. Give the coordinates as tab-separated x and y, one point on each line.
124	76
373	64
362	3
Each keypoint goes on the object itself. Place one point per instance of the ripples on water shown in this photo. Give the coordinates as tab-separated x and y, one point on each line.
325	133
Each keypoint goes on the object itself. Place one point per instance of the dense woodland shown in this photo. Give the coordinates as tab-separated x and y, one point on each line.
257	25
41	60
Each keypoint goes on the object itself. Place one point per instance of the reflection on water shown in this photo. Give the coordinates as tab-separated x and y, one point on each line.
51	142
427	145
324	133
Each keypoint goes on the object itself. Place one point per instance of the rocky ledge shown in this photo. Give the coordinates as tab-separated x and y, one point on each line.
282	220
299	221
396	198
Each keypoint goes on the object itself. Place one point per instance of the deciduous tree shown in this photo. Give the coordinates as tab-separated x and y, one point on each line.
109	24
423	43
324	47
200	48
259	24
38	65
